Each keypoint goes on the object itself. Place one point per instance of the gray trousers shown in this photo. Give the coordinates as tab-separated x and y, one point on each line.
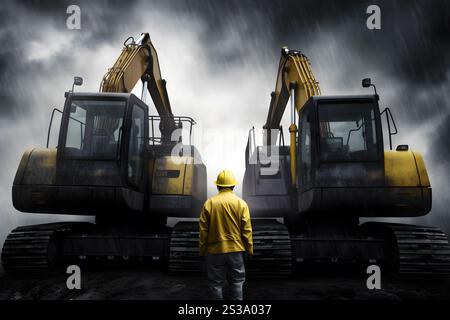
221	266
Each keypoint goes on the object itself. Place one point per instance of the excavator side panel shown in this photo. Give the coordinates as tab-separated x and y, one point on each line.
402	189
36	190
178	186
400	169
37	168
407	179
268	195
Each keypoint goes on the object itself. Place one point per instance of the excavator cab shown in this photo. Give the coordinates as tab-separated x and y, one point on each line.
340	151
335	165
106	164
342	165
99	164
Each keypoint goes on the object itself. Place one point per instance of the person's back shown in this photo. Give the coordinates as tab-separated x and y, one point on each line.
229	227
225	233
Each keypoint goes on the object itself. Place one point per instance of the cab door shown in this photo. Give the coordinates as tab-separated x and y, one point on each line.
134	155
305	164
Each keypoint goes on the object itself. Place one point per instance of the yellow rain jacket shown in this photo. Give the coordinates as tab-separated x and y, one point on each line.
225	224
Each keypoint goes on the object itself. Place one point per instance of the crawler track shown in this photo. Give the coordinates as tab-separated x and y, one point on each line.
272	249
184	254
33	249
414	251
272	256
422	251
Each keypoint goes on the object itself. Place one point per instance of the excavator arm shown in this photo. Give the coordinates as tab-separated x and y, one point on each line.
139	60
295	80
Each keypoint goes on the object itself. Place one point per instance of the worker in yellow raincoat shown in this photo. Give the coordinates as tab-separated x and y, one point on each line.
225	234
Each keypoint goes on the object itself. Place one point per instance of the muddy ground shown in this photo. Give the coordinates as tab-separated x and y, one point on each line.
152	283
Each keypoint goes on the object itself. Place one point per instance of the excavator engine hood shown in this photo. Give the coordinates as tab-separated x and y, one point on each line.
38	188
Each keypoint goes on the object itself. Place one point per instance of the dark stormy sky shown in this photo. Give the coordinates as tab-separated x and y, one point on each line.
220	60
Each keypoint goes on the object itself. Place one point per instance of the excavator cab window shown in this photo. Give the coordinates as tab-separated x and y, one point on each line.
347	132
93	129
306	148
136	145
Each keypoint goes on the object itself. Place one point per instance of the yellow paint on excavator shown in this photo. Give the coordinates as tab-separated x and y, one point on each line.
405	169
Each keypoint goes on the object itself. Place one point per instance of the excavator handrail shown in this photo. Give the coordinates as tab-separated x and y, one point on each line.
51	121
388	112
251	143
50	124
281	139
178	121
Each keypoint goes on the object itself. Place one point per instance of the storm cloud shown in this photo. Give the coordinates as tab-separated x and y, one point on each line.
220	60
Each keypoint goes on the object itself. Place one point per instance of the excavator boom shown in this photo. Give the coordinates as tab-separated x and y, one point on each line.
139	61
294	73
295	80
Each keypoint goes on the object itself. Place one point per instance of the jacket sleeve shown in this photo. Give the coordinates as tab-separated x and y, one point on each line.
246	228
204	228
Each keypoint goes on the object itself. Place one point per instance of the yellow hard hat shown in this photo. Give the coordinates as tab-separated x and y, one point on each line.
225	179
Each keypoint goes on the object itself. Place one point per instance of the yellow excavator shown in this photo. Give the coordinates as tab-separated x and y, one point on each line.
115	162
334	172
